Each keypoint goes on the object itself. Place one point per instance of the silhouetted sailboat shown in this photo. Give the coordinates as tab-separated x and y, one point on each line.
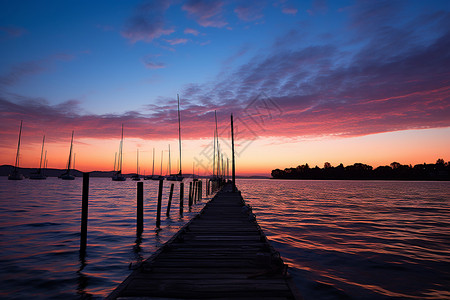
136	177
15	175
40	174
118	175
67	176
179	176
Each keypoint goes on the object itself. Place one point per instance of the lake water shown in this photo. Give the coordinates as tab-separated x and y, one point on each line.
341	239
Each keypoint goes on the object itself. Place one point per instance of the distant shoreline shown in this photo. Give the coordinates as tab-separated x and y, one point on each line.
5	170
440	171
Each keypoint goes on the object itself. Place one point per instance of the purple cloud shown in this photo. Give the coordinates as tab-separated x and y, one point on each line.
289	10
390	84
191	31
249	11
11	31
177	41
154	65
147	23
206	13
18	71
318	6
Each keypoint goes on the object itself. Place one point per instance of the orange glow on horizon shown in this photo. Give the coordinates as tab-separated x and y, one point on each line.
258	157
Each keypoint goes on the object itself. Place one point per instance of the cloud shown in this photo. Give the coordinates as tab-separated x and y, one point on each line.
147	23
286	8
177	41
289	10
395	78
249	11
12	32
318	6
390	83
154	65
206	13
19	71
191	31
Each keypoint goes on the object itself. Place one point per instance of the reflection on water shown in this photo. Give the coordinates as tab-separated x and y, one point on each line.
40	236
341	239
359	239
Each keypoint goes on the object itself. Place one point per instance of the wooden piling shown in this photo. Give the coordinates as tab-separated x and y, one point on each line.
190	194
158	209
181	197
194	192
170	200
140	208
84	212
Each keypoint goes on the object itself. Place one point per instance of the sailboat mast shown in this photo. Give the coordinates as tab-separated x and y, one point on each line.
214	153
120	153
179	129
153	166
217	141
70	153
42	153
137	162
45	160
162	152
115	160
18	147
170	166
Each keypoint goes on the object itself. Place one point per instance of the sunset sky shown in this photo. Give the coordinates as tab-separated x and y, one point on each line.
307	82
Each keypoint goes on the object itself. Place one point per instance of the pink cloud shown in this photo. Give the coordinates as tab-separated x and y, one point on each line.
249	11
206	13
177	41
154	65
191	31
289	10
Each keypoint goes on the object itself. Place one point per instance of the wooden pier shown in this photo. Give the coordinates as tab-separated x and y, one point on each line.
222	253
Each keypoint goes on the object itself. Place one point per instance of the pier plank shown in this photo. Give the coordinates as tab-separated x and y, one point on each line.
220	254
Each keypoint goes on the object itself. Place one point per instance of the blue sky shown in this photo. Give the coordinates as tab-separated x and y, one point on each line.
335	69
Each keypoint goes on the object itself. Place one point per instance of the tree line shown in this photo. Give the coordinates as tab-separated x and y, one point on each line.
395	171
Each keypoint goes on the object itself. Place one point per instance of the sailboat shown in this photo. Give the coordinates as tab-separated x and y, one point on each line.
136	177
39	174
179	176
67	176
15	175
118	175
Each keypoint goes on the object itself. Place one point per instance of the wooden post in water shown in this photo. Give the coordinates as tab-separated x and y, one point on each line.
84	212
190	194
181	197
194	192
170	200
140	208
200	188
158	209
233	177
